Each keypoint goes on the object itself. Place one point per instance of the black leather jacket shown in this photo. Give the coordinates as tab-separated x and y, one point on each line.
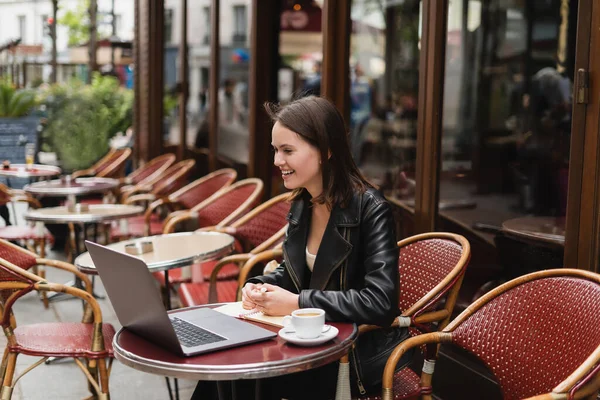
355	275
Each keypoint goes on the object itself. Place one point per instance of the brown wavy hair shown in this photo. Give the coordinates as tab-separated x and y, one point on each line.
318	122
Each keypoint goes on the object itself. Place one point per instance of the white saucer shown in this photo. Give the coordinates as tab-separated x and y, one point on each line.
322	338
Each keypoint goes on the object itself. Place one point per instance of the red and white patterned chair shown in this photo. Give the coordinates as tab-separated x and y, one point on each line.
111	165
223	208
538	335
34	237
431	268
167	183
90	340
148	174
261	229
180	201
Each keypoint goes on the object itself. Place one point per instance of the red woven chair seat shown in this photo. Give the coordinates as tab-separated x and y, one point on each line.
61	339
229	271
194	294
13	232
406	386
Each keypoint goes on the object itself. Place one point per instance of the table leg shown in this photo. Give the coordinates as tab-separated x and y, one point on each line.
169	387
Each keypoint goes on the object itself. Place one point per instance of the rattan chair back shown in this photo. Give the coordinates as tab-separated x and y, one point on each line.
202	188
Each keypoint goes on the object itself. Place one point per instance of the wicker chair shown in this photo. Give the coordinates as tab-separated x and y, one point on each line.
261	229
431	267
168	182
111	165
34	237
89	339
145	176
174	178
223	208
185	198
537	334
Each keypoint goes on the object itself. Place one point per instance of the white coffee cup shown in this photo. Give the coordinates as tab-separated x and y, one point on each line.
307	323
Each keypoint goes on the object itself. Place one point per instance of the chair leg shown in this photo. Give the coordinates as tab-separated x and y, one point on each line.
7	388
103	380
4	362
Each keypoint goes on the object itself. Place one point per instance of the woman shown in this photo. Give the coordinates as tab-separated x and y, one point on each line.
340	252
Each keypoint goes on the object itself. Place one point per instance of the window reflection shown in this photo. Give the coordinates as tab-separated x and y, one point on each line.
384	65
507	109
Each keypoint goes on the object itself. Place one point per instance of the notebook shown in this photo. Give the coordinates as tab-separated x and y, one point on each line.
237	310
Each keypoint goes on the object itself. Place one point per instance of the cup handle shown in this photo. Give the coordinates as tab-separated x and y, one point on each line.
287	324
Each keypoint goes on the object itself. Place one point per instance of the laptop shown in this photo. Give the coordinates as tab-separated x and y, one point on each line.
137	303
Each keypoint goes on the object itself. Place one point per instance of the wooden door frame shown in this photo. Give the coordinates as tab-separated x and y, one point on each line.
582	239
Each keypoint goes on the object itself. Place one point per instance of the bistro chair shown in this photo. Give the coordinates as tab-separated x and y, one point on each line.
34	237
261	229
538	335
89	340
223	208
174	178
148	174
170	181
111	165
431	267
185	198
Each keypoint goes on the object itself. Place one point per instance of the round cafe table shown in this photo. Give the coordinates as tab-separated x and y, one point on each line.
34	171
173	250
95	214
76	187
540	230
265	359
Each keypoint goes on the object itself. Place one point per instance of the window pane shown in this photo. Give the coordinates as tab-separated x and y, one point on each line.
233	90
384	65
507	126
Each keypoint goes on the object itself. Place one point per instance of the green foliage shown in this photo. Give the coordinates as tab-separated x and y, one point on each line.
81	119
78	23
15	103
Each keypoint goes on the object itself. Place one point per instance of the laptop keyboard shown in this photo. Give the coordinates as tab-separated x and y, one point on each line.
191	335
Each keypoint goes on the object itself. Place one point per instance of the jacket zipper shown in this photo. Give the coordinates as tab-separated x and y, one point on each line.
346	236
361	387
287	264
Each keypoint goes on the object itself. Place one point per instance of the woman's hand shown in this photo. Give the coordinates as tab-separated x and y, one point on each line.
273	300
247	303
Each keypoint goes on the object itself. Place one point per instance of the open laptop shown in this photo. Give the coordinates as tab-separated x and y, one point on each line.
137	303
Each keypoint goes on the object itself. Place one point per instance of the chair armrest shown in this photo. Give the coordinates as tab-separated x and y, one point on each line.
92	314
67	267
400	350
83	172
233	259
26	199
148	213
139	198
178	217
252	261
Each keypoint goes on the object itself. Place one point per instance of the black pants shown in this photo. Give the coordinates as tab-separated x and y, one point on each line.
315	384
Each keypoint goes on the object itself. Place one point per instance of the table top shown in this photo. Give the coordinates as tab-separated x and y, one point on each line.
549	230
96	213
173	250
60	188
273	357
35	171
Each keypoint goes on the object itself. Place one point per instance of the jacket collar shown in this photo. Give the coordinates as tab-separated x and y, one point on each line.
334	248
347	216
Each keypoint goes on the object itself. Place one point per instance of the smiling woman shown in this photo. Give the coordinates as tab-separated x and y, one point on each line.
340	253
